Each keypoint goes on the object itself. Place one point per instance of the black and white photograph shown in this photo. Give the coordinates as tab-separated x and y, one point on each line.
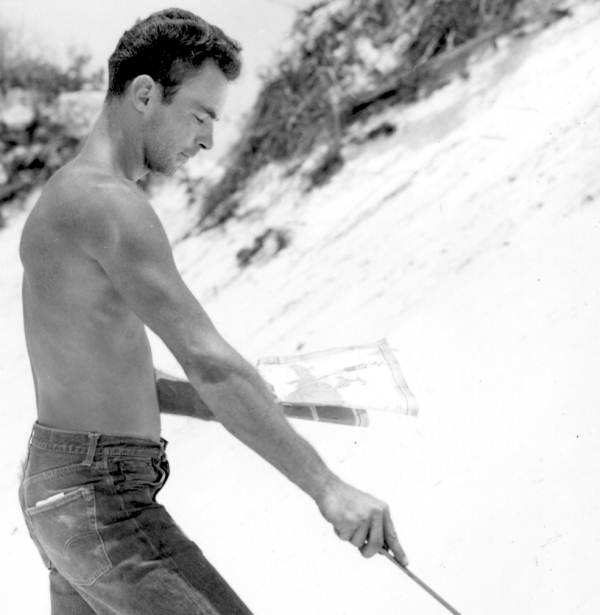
299	307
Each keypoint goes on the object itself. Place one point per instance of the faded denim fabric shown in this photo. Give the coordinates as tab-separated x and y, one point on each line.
89	501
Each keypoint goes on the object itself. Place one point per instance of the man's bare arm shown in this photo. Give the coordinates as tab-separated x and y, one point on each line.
127	239
177	396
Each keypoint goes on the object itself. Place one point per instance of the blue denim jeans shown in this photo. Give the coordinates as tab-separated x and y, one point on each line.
89	501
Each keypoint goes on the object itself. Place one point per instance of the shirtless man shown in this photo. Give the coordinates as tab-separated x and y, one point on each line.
97	268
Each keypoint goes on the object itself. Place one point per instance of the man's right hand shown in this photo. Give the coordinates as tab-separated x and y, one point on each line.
360	519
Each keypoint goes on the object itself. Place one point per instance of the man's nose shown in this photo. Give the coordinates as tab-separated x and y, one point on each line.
205	140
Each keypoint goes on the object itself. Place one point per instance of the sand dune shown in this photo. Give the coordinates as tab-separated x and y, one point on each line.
469	238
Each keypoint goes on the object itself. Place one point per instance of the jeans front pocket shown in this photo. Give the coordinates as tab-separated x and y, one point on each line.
139	480
65	526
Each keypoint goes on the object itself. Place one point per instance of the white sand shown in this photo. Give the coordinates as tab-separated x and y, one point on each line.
470	240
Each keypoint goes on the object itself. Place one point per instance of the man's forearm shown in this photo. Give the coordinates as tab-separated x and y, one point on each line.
177	396
242	402
245	406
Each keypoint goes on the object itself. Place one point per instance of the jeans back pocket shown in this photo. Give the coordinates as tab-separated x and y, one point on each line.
65	525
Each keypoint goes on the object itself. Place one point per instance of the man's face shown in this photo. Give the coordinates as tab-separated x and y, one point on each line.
175	132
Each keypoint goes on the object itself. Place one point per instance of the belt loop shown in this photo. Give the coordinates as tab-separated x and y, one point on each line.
105	459
91	449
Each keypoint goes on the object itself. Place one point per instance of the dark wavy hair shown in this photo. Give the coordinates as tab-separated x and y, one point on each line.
168	45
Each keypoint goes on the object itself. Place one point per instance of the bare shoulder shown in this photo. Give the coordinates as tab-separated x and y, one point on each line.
100	210
90	193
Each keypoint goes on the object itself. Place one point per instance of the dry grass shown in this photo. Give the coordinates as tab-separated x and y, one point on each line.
22	67
29	156
326	81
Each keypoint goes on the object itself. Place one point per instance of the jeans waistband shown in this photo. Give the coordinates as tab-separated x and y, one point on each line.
94	445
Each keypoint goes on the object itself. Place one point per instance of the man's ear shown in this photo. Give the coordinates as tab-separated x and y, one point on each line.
143	90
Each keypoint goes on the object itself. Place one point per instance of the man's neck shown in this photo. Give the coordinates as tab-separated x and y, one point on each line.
113	144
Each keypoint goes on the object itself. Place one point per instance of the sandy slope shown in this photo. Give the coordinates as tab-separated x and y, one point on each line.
470	240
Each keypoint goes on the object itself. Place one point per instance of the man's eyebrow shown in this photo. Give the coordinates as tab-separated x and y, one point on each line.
208	110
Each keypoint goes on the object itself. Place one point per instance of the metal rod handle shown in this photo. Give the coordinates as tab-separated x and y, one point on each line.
419	582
